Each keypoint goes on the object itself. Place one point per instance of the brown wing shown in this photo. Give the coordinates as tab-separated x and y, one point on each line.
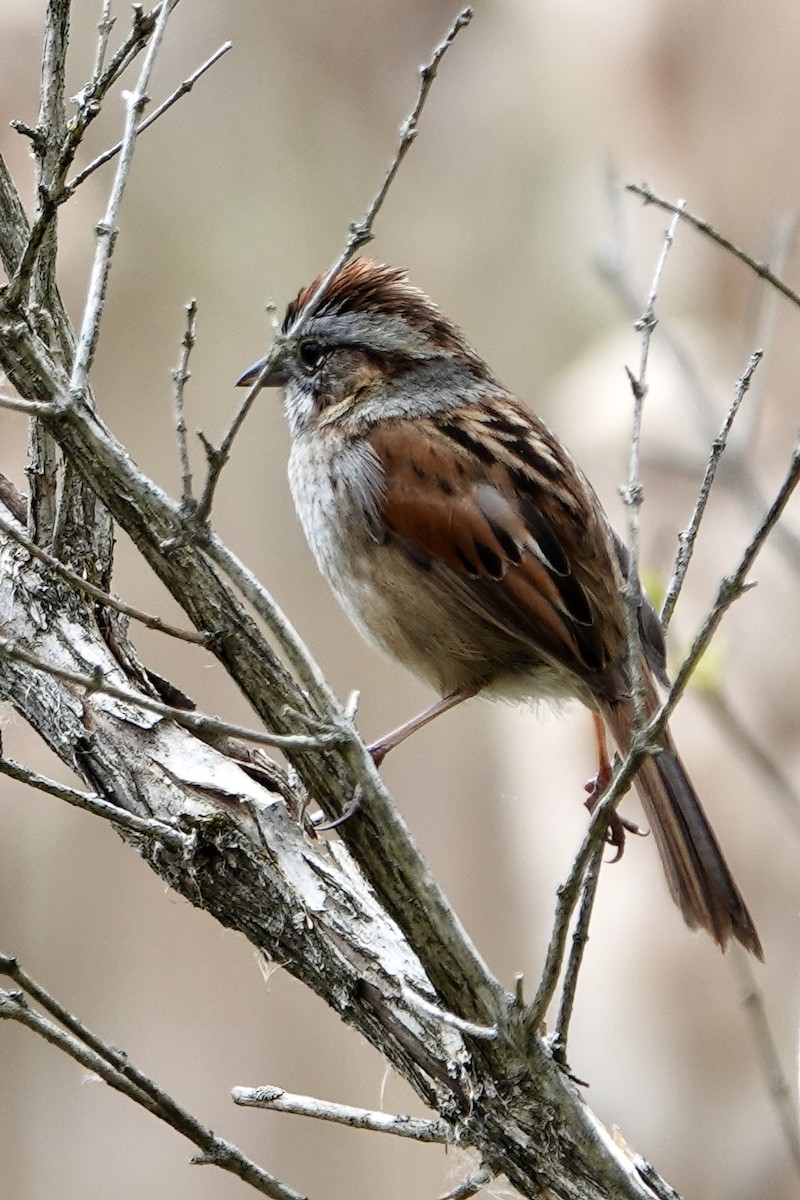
490	500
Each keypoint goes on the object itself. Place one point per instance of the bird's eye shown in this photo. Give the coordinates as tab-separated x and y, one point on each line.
311	354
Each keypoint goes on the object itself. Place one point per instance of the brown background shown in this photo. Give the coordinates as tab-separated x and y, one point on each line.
243	193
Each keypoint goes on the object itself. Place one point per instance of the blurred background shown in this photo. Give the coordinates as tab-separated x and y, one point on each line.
504	213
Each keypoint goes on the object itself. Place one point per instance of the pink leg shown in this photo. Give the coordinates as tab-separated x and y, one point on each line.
381	748
618	825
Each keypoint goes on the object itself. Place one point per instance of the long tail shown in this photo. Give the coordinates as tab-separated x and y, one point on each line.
698	876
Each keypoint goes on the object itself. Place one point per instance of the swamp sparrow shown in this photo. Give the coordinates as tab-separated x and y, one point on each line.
461	538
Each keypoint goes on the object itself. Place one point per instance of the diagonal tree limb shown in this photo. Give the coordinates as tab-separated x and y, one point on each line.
248	861
75	1040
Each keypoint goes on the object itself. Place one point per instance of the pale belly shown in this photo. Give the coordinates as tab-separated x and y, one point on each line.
397	604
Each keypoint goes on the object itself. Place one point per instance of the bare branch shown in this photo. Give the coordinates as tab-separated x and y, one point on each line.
104	27
568	893
632	493
585	872
778	1087
645	740
50	132
89	103
761	269
181	377
31	408
360	233
278	1100
118	1072
107	227
173	98
749	491
148	826
579	939
197	722
96	593
688	537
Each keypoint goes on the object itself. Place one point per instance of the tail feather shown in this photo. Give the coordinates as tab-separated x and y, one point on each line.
698	876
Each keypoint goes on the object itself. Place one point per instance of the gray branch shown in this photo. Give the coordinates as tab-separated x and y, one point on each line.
304	903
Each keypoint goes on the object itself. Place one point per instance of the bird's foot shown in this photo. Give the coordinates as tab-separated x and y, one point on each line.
618	826
353	805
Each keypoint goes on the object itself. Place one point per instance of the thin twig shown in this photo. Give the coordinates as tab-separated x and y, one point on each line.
632	492
51	124
778	1088
198	722
11	968
580	937
104	27
31	408
173	98
181	377
96	593
748	489
111	1065
761	269
645	741
485	1033
533	1014
148	826
300	658
687	539
107	228
89	103
470	1187
587	866
764	322
361	231
360	234
278	1100
730	589
315	684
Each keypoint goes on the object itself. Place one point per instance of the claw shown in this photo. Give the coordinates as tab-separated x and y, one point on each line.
353	805
618	826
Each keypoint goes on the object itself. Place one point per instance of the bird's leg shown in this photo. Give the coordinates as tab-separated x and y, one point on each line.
618	826
381	748
378	750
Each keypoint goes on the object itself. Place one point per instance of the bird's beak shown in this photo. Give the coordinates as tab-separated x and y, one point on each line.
276	376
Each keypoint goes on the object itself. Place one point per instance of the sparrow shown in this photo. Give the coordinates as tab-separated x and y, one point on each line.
462	539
